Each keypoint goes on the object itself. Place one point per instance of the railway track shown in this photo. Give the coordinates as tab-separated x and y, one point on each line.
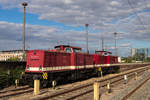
73	93
128	95
15	91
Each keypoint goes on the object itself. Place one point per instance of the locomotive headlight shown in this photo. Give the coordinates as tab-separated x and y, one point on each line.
22	73
40	68
27	68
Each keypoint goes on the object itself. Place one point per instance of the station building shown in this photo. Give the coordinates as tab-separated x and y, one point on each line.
5	55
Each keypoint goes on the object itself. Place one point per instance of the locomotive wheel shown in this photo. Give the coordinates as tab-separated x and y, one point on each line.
43	84
31	84
98	74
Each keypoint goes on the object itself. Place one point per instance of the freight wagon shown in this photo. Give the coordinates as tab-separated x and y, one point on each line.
63	63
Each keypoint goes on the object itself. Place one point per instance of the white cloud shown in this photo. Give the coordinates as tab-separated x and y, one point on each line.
128	45
68	1
108	16
114	3
42	36
78	12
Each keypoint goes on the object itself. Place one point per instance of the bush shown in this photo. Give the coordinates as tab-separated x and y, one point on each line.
8	78
13	59
4	80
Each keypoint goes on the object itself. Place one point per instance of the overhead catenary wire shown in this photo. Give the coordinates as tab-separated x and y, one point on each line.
145	2
138	17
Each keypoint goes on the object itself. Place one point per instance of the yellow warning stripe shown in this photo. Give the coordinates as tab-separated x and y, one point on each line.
45	76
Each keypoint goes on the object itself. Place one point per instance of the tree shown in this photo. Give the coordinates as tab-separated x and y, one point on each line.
13	59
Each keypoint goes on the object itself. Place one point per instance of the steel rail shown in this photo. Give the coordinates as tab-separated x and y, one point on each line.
18	92
91	90
15	89
133	91
89	84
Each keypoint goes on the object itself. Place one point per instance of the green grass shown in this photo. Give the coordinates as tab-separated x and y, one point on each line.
8	78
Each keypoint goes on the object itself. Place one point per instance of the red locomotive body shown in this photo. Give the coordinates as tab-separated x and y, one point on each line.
35	59
65	62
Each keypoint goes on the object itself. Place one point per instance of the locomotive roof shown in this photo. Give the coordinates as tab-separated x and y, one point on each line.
67	46
104	51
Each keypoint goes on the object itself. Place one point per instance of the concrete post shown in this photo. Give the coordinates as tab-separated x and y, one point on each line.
36	87
17	82
125	79
101	74
96	91
8	76
136	77
108	87
54	84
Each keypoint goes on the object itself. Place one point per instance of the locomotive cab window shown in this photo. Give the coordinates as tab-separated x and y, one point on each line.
58	48
105	54
76	50
69	50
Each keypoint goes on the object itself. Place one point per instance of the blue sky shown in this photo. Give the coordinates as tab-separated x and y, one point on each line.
16	16
52	22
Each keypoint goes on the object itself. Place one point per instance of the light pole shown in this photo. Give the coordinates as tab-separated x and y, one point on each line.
86	25
115	35
102	44
24	4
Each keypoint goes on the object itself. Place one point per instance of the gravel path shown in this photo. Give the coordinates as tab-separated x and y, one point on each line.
118	91
141	95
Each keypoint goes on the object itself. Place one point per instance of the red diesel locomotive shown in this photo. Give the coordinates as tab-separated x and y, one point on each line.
64	63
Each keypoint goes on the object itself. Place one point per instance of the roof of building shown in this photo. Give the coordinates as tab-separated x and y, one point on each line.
68	46
104	51
12	51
